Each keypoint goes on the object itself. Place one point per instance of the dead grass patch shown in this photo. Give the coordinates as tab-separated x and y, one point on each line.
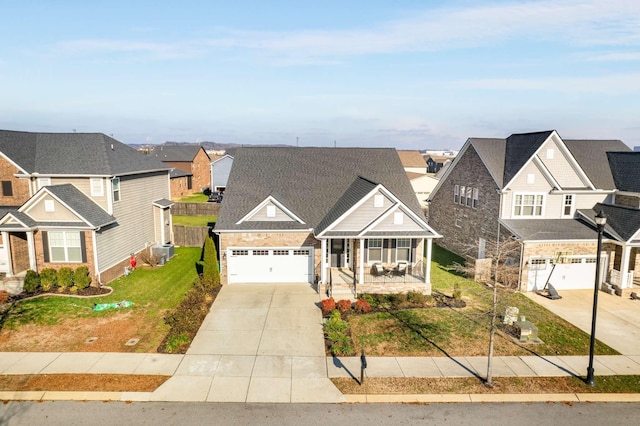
82	382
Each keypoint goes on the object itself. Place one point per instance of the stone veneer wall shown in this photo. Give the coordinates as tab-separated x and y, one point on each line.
628	201
462	226
267	239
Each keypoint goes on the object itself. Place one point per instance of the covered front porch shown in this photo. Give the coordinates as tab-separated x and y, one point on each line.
354	265
623	259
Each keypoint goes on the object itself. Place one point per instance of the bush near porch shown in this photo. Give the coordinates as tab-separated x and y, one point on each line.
398	328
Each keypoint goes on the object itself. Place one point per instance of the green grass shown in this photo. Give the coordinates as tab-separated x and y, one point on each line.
194	220
464	332
153	290
197	197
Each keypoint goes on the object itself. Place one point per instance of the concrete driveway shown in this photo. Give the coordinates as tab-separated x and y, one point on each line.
618	319
259	343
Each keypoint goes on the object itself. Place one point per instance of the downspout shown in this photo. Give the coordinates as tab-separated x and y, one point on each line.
95	256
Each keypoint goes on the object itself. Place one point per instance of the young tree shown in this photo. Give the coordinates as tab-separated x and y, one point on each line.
210	272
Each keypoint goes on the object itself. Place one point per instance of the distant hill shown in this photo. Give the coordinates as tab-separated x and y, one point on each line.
211	146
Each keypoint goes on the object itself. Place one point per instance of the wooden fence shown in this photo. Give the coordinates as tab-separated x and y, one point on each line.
189	236
195	209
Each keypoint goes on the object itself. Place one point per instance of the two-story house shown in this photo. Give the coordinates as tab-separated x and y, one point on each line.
545	191
191	165
71	199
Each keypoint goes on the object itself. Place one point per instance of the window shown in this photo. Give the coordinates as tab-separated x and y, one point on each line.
567	205
281	252
239	252
301	252
531	178
189	182
49	206
271	211
40	182
469	192
378	200
7	189
261	252
115	187
375	250
550	154
462	194
97	189
65	246
403	249
456	194
475	198
538	264
528	205
398	218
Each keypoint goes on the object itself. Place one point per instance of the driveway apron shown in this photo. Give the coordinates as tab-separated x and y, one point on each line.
259	343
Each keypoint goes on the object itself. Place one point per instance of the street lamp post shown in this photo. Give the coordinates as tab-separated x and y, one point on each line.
601	220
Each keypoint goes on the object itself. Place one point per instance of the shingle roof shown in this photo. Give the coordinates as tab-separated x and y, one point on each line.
625	169
550	229
177	173
412	159
22	217
81	204
519	149
309	182
491	152
74	154
622	222
591	155
180	153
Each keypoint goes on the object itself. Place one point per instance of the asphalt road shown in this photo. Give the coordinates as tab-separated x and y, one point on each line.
188	414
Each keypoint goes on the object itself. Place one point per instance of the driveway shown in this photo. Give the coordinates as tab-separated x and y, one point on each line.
618	319
259	343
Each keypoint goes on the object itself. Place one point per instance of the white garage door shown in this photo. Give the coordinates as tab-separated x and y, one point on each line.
270	265
575	273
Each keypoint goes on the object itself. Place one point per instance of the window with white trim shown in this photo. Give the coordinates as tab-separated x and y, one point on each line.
374	252
475	198
528	205
567	205
456	194
97	189
115	188
531	178
462	194
49	206
403	250
469	192
65	246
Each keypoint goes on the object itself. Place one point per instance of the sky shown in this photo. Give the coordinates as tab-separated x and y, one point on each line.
405	74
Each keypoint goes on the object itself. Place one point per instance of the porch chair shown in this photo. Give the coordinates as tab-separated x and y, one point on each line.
377	269
401	269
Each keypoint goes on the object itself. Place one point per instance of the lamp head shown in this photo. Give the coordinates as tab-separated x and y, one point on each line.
601	219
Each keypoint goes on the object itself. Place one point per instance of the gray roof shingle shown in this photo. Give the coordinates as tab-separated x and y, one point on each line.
179	153
622	222
625	169
313	183
550	229
591	155
74	154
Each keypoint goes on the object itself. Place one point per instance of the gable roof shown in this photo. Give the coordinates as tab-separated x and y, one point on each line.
313	183
411	159
518	150
625	170
93	154
591	155
622	222
492	153
178	153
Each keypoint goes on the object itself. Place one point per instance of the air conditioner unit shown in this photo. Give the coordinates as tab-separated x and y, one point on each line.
164	250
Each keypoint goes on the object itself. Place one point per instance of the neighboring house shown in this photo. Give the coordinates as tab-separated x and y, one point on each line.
435	162
422	185
220	169
545	191
181	183
192	159
412	161
72	199
326	216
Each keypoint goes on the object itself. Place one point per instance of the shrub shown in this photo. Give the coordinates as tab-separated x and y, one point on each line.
81	277
65	277
362	306
327	306
48	278
370	299
344	305
4	296
342	346
210	272
335	324
31	281
416	298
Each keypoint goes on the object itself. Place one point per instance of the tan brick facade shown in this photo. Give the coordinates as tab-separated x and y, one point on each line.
19	187
180	187
266	239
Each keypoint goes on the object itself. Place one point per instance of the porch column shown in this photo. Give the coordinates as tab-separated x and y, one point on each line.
361	265
7	248
323	262
32	251
427	263
624	267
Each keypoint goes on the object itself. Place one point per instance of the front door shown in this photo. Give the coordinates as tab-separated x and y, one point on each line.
337	251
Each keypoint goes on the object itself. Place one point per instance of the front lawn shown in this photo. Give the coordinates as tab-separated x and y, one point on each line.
55	323
451	331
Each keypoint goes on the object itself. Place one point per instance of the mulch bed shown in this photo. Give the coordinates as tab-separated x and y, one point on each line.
86	292
81	382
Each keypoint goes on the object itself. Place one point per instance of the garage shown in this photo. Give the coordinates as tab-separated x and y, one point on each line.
572	273
270	265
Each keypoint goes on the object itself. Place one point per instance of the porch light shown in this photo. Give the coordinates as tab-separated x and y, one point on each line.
601	221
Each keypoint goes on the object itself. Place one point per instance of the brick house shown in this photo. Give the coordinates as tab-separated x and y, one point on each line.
72	199
545	191
192	160
326	216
